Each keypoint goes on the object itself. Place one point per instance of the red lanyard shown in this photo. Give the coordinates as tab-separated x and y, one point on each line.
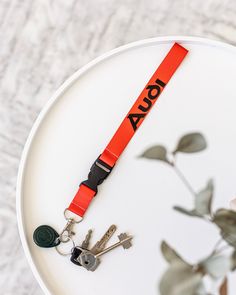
107	160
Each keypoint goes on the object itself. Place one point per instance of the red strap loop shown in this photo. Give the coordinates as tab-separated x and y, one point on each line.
130	124
82	200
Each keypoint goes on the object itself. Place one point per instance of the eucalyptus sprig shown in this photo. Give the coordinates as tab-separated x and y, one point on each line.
182	278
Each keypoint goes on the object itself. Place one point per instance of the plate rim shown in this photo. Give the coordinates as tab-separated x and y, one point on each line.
50	103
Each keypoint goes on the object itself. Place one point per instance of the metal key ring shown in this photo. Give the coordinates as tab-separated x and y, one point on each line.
71	216
65	253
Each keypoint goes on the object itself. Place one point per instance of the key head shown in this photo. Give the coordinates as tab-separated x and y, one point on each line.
125	244
75	255
46	237
89	260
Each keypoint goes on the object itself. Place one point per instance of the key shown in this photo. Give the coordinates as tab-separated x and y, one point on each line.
78	250
125	241
90	261
85	243
100	245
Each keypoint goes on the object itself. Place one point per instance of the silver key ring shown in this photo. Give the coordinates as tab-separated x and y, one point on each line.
65	253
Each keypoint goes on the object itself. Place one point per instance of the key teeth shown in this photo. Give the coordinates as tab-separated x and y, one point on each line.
86	241
100	245
122	236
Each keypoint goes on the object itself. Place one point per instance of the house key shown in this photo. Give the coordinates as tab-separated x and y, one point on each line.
85	243
78	250
91	261
101	244
98	247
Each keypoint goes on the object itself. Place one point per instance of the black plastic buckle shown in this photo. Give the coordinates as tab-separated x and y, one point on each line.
98	173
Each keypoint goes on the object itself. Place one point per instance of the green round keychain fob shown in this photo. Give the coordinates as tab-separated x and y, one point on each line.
46	237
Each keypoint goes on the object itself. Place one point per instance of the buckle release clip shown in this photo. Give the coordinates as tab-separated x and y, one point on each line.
98	173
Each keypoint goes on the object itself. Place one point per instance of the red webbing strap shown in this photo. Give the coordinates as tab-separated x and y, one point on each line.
131	122
82	200
151	91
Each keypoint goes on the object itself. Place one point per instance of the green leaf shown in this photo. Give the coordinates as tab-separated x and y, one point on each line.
203	203
180	279
157	152
191	143
229	238
201	290
192	213
226	220
217	266
170	254
203	199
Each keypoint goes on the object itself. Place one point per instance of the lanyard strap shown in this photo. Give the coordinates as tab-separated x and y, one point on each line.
106	161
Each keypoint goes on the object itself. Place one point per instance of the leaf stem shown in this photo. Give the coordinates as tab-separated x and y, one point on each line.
184	179
215	249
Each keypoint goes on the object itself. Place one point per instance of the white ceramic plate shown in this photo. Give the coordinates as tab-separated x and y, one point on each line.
76	125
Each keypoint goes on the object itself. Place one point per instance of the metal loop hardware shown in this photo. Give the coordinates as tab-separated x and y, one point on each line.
67	231
66	253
